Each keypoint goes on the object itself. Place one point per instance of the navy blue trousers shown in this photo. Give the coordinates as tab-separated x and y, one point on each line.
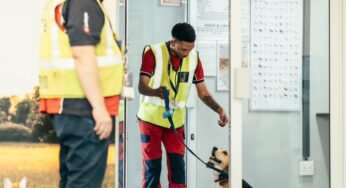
83	157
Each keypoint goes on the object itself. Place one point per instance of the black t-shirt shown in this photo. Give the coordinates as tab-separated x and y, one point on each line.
84	21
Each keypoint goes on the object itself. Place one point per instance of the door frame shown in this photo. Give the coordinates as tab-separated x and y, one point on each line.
337	93
235	105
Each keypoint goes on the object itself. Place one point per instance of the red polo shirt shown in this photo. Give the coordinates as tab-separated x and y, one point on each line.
148	65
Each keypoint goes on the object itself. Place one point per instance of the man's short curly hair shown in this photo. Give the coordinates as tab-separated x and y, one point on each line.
184	32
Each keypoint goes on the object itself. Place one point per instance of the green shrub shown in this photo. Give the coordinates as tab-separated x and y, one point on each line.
10	132
43	130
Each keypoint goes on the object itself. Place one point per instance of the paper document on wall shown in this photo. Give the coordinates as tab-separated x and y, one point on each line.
223	66
212	20
207	55
276	55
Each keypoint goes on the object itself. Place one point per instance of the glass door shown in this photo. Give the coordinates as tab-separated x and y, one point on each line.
281	124
116	10
148	22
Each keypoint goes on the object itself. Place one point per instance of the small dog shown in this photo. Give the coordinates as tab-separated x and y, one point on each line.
9	184
220	159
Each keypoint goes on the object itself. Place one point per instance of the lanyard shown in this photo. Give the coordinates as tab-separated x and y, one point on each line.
176	84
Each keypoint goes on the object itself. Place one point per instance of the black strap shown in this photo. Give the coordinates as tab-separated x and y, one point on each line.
176	77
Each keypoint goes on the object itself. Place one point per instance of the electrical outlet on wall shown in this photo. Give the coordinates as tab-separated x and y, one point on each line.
306	168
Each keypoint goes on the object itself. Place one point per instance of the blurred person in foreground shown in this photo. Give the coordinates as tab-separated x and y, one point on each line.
81	78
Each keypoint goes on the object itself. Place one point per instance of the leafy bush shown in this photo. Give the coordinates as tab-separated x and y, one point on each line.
23	110
5	104
3	117
43	131
10	132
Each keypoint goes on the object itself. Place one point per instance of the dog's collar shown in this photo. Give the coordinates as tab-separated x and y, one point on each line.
222	179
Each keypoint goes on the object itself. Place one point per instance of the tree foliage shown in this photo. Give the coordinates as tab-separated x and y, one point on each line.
42	128
26	114
5	105
3	117
23	110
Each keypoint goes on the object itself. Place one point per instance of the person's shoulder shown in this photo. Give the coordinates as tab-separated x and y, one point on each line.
82	1
83	4
147	51
158	44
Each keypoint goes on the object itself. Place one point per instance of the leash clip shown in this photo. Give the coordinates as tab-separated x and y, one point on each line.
167	114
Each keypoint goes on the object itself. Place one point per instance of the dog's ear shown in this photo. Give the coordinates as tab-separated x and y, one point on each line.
22	183
7	183
213	151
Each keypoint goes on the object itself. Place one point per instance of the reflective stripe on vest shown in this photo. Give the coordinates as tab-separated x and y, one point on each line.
58	78
152	108
102	61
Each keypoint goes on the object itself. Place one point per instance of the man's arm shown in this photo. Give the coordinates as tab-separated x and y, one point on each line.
144	88
87	71
205	96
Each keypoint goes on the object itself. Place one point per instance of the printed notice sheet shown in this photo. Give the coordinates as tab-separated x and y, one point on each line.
276	55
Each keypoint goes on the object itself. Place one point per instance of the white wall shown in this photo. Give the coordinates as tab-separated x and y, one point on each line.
19	36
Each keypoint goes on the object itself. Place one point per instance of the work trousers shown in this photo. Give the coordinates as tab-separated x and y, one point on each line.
83	157
151	138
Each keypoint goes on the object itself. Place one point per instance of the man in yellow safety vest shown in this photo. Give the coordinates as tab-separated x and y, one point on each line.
81	76
175	66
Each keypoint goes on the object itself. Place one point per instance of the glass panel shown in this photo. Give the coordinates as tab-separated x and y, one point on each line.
286	120
120	147
120	129
211	23
116	14
149	22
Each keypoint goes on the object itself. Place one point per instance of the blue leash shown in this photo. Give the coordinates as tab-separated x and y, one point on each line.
168	115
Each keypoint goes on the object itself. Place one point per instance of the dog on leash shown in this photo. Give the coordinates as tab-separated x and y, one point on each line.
9	184
220	159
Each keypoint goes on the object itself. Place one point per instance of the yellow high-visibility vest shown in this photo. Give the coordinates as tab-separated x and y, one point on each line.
179	83
58	78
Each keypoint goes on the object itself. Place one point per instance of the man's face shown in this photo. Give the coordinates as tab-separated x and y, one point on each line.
182	48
